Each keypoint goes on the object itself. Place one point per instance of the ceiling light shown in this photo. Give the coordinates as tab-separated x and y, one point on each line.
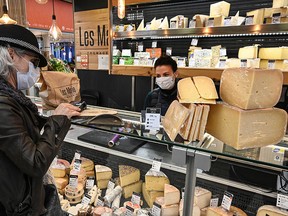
41	1
121	9
54	32
5	19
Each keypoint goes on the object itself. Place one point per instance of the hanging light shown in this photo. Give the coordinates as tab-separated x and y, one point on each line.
41	1
54	32
5	19
121	9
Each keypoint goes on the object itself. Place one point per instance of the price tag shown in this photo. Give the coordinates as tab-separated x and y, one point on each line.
136	198
249	20
222	63
282	201
140	47
271	64
129	28
276	18
156	164
77	154
148	26
181	62
129	211
243	63
156	209
86	199
77	164
227	200
169	51
223	51
121	28
122	61
136	61
192	23
100	201
114	47
183	192
227	21
214	201
210	22
152	119
90	183
154	44
73	181
191	62
194	42
111	185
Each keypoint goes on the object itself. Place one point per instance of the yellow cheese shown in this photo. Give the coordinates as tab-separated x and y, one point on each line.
217	211
274	64
258	16
268	13
187	90
155	24
185	130
58	172
196	209
197	118
75	199
202	197
86	164
251	88
129	189
248	52
279	3
164	24
244	129
61	182
141	26
155	181
102	184
171	195
274	53
220	8
74	192
200	20
170	210
233	63
128	175
282	20
268	210
205	87
103	172
217	21
150	196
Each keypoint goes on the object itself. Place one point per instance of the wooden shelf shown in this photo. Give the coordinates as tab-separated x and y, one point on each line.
213	73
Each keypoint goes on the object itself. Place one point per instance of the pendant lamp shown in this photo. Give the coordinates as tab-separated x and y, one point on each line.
5	19
41	1
54	32
121	9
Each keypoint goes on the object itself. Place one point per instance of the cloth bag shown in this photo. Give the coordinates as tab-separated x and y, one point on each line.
59	87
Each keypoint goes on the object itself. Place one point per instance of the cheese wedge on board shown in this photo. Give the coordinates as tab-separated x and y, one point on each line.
206	87
155	180
251	88
203	122
150	196
103	172
220	8
269	210
185	130
243	129
128	175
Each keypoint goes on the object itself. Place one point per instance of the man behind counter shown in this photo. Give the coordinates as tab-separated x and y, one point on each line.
166	74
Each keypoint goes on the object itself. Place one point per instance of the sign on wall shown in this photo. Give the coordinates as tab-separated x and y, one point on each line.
92	39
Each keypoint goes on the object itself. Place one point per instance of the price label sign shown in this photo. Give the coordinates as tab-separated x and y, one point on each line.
183	192
249	20
243	63
77	154
276	18
210	22
222	63
223	51
227	21
156	164
227	200
136	198
282	201
271	64
100	201
122	61
77	164
191	62
73	181
156	209
111	185
192	23
86	199
154	44
140	48
90	183
194	42
152	119
129	211
214	201
169	51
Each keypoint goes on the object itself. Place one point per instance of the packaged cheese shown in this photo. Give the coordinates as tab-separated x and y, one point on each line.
243	129
251	88
155	180
280	3
220	8
150	196
248	52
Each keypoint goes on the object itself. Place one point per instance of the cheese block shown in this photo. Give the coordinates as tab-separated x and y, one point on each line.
274	53
269	210
86	164
102	184
251	88
164	24
61	182
171	195
218	211
203	53
196	209
243	129
58	170
206	87
141	26
203	122
258	16
170	210
74	192
94	192
65	163
200	20
187	90
216	50
155	181
198	121
202	197
128	175
174	118
129	189
233	63
103	172
185	130
274	64
75	199
150	196
280	3
248	52
220	8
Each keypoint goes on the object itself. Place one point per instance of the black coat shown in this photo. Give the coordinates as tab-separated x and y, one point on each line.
25	154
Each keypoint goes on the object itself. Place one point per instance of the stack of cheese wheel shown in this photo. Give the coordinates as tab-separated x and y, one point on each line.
59	171
87	165
247	118
81	175
103	175
74	195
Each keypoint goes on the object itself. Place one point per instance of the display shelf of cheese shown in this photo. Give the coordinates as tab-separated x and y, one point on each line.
213	73
223	31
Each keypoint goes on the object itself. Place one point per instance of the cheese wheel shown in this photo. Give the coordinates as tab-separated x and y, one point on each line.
58	170
69	191
100	210
65	163
268	210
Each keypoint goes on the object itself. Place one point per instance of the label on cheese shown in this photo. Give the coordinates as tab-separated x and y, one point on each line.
227	200
156	209
129	211
77	164
90	182
77	154
73	181
136	198
86	199
282	201
100	201
214	202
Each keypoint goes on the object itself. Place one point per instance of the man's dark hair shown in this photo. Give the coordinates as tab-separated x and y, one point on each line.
166	60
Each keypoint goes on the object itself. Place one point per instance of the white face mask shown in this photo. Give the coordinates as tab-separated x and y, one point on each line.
165	83
27	80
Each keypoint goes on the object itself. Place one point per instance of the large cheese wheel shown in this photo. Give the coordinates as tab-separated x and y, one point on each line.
249	88
268	210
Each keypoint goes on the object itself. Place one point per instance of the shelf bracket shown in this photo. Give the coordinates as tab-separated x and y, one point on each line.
193	160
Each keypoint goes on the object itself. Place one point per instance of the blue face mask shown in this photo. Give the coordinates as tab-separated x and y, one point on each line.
27	80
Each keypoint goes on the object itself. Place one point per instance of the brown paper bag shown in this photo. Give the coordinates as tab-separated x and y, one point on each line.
58	87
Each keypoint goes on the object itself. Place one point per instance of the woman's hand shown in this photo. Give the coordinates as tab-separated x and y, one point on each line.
67	109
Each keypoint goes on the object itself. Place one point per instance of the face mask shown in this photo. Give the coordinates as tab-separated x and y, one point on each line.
165	83
27	80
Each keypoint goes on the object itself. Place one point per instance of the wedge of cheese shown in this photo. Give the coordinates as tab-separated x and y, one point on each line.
128	175
196	209
248	52
203	122
141	27
206	87
86	164
280	3
187	90
164	24
243	129
103	172
58	170
251	88
195	123
185	130
202	197
155	181
274	53
129	189
233	63
174	118
200	20
102	184
171	195
268	210
220	8
258	16
150	196
61	183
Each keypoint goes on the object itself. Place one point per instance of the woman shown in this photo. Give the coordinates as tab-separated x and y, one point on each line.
25	153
